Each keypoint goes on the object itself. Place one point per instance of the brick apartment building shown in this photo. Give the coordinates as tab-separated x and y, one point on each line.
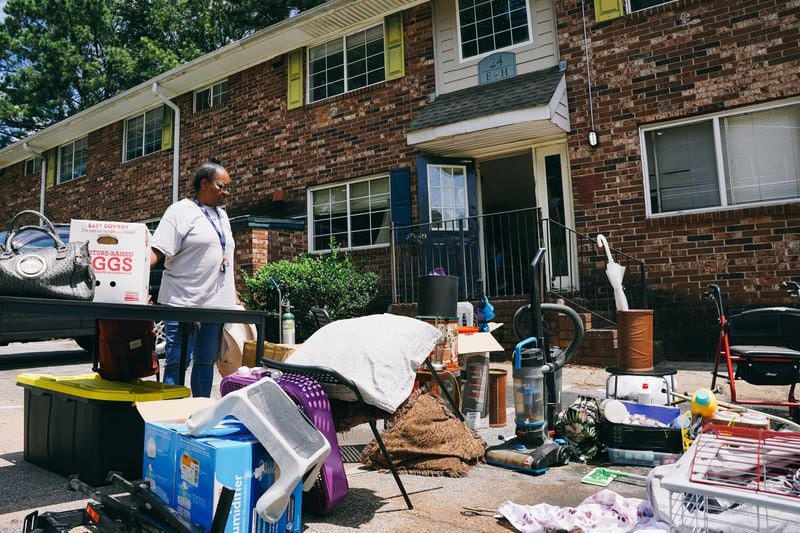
710	91
357	114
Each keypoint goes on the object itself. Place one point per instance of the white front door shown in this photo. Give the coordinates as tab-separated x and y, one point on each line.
554	197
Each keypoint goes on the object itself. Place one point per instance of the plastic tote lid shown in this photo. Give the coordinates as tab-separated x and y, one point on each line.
615	411
93	387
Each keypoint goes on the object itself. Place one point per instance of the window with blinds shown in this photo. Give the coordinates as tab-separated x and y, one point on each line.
729	159
761	154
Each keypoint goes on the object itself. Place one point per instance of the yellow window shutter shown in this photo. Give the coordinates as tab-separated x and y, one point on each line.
395	57
608	9
294	69
51	168
166	129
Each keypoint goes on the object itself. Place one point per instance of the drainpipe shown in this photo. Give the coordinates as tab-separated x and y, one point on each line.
42	171
176	141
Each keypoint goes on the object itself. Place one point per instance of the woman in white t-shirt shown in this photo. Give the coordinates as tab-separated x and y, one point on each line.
194	236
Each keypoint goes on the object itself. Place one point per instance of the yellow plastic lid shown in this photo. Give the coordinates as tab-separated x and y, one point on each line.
93	387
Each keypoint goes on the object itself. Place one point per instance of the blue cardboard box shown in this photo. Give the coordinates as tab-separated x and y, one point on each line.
236	460
291	520
158	459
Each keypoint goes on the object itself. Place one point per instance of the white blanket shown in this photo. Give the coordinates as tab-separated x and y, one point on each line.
379	353
605	512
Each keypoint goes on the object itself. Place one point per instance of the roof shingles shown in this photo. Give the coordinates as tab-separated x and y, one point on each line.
520	92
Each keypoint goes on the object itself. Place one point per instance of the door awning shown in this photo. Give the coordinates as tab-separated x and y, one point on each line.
479	120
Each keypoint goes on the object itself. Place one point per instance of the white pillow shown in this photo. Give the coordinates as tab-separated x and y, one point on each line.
379	353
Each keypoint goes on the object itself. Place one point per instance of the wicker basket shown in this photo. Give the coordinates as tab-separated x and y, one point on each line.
276	352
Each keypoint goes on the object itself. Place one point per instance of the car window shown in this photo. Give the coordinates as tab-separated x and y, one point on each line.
29	240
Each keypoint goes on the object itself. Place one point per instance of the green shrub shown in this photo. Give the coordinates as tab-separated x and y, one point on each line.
330	281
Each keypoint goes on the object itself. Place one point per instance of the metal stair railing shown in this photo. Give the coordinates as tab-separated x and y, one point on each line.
492	253
592	293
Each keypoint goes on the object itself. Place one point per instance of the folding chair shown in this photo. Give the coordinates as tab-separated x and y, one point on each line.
320	316
327	376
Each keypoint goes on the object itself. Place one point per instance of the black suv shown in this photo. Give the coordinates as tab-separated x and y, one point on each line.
23	328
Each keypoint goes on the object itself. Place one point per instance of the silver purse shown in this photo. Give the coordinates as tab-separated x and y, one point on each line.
62	271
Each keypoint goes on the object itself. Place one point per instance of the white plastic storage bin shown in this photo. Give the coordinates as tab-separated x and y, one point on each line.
641	457
627	387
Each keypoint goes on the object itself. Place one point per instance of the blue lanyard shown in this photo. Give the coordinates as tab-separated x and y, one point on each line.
220	233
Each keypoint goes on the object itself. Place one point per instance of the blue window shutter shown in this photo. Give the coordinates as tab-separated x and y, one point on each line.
400	189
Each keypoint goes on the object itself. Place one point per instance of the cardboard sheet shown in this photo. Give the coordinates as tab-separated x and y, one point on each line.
172	410
478	343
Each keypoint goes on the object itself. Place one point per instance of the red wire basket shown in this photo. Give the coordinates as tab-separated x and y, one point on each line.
748	459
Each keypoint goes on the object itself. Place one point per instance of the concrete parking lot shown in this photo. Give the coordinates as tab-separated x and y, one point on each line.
374	503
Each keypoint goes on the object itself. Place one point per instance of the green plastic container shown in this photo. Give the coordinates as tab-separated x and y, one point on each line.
86	425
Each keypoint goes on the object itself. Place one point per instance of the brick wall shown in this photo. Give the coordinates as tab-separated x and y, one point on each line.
682	59
22	192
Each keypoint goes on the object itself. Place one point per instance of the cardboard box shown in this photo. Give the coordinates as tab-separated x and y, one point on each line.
163	422
273	351
204	465
120	254
199	467
290	522
158	460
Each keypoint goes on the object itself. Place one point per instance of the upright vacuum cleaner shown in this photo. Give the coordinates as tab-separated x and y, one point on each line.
537	386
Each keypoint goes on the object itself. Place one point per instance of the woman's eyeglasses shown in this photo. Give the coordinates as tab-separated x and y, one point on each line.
224	187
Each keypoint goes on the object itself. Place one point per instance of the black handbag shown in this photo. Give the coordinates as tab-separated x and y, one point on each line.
62	271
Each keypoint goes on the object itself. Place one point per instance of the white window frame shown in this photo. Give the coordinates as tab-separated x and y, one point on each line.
35	164
629	9
348	200
60	178
479	56
722	179
141	149
215	93
449	224
347	78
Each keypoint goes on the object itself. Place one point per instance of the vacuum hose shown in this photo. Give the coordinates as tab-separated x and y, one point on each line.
577	323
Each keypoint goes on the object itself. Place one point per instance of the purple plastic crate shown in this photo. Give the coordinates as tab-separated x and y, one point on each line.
331	486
